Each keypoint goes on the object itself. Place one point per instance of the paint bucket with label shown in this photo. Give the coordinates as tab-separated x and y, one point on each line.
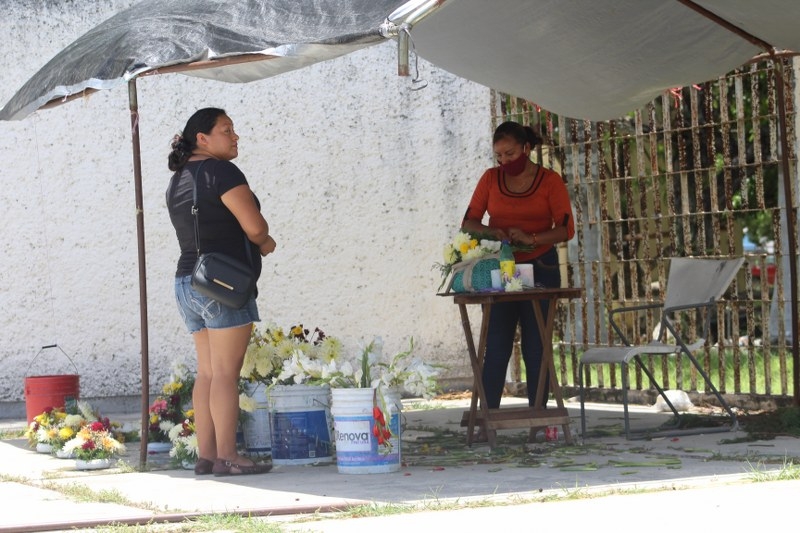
358	450
300	423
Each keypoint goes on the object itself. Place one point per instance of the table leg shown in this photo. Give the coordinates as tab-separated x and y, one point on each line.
548	367
476	361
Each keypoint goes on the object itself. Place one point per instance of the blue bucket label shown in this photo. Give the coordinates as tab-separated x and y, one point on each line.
300	435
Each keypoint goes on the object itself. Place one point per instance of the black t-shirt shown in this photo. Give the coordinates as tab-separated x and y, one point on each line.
219	229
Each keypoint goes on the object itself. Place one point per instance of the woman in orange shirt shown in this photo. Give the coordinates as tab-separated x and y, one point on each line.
529	205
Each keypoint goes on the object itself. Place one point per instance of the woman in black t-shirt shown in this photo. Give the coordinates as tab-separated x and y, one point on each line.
229	212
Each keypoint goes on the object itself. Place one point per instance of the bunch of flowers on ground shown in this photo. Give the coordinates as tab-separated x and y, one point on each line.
44	427
277	358
167	409
184	441
95	440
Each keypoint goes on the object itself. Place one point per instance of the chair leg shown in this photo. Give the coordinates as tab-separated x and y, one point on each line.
654	383
583	412
696	363
624	367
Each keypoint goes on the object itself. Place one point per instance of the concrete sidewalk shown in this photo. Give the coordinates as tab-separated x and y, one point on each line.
452	483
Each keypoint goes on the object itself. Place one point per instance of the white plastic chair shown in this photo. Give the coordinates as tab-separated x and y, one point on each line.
692	284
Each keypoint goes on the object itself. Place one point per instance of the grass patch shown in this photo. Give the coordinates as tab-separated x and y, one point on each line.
788	472
677	372
10	434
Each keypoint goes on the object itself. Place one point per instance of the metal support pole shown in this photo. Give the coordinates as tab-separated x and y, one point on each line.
133	104
791	221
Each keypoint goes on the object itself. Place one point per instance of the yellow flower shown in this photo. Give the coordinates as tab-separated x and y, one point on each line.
172	388
66	433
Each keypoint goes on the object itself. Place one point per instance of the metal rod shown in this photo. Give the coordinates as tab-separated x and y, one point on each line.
791	223
727	25
133	104
402	54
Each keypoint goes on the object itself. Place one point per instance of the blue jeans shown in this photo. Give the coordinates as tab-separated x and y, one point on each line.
200	312
502	327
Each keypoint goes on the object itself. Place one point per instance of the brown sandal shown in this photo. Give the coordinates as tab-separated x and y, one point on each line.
224	467
203	466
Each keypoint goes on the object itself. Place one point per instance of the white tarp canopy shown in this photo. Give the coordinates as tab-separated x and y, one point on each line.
598	59
593	59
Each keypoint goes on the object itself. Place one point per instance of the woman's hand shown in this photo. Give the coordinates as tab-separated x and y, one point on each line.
268	246
517	235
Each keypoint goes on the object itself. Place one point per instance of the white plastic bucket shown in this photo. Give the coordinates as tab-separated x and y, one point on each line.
255	426
357	449
300	419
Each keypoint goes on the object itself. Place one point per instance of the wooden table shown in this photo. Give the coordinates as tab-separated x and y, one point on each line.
518	417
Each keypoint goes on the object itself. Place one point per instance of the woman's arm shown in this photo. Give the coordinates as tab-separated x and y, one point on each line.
241	202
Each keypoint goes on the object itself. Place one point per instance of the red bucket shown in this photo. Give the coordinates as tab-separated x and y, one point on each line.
42	392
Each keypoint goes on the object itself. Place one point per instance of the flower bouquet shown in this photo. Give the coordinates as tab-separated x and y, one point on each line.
385	376
67	428
469	260
42	432
277	358
184	442
166	411
94	445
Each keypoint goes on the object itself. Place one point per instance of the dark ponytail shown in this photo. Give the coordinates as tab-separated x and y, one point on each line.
184	145
518	132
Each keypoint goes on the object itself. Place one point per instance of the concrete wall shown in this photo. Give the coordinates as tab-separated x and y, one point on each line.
361	179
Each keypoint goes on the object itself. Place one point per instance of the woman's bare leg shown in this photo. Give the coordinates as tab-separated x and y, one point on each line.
204	426
227	348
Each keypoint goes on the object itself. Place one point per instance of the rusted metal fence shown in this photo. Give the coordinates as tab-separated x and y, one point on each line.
686	175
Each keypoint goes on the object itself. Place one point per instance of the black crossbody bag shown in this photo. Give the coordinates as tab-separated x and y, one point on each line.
217	275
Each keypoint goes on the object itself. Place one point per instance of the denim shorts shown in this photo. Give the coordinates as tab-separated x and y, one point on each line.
200	312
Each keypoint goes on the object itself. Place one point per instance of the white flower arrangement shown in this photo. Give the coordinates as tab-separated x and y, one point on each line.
468	247
184	441
371	368
277	358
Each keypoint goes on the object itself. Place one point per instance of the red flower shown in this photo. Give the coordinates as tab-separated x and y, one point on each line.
88	445
97	426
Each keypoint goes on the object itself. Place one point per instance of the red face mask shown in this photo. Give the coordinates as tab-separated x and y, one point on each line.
516	166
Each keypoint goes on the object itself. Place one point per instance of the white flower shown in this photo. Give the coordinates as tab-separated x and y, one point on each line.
513	285
491	247
74	421
175	432
165	426
474	253
247	403
450	255
461	239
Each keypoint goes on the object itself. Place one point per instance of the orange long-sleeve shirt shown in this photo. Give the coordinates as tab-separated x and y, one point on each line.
543	206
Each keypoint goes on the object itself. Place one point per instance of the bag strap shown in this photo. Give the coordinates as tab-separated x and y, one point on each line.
196	216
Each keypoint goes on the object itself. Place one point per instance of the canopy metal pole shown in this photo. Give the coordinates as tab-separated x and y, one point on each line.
133	104
791	222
